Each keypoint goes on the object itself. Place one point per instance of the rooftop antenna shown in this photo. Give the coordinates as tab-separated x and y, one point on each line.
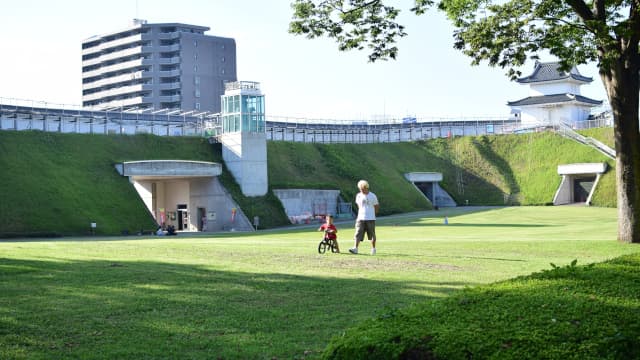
137	20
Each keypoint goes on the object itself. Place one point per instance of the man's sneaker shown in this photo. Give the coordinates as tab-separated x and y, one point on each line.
353	250
373	251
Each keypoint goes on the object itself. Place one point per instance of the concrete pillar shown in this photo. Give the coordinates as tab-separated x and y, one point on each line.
245	155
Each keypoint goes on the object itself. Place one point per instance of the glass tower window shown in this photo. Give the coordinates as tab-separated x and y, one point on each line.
243	113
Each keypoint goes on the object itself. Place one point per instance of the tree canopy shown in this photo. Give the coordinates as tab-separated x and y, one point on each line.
502	33
506	34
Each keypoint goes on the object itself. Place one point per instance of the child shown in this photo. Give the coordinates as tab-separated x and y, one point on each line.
330	230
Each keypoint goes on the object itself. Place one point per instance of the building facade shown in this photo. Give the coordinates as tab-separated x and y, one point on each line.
157	66
554	96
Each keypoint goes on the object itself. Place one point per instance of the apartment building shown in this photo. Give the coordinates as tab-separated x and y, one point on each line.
157	66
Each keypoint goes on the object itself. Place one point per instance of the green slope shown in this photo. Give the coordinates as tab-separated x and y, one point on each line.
483	170
59	183
56	184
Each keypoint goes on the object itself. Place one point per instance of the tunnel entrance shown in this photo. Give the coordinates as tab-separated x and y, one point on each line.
579	182
428	183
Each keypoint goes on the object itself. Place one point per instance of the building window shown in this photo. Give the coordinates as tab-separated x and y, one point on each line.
222	71
195	68
195	43
196	80
197	93
197	106
222	59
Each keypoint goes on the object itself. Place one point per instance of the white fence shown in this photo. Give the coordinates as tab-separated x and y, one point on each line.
380	132
66	119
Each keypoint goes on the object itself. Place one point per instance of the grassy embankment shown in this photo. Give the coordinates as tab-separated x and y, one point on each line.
56	184
485	170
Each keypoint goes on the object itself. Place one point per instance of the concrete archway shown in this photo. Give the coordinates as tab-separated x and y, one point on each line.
185	194
428	183
579	182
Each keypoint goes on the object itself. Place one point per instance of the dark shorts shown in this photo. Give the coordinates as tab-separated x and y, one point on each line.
365	226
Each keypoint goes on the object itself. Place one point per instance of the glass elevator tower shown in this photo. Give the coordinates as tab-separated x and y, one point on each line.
244	137
243	108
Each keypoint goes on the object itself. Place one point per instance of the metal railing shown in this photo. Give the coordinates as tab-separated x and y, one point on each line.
20	114
568	132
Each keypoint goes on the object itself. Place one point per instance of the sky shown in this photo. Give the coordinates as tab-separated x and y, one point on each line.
41	59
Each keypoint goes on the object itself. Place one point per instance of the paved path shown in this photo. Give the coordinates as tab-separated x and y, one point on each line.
427	213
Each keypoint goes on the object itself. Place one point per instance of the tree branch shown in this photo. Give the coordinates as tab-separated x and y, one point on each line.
343	11
581	8
634	17
600	10
634	25
568	23
595	23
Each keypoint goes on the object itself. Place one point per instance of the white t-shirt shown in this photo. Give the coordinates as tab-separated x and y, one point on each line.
366	206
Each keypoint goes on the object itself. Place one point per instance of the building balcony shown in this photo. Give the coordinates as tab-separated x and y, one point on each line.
173	60
92	73
137	100
168	36
122	90
132	64
169	86
118	54
168	48
136	50
117	79
115	43
169	73
90	62
170	98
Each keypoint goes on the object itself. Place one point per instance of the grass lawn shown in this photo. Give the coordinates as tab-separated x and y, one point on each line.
268	295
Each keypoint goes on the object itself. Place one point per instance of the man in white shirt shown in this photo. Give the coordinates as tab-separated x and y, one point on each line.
366	220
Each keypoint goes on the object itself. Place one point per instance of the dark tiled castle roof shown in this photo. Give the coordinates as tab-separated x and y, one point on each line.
552	99
550	72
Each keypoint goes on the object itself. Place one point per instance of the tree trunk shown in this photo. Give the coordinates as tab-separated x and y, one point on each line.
623	86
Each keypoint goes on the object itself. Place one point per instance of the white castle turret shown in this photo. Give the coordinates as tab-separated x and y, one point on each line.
243	137
554	96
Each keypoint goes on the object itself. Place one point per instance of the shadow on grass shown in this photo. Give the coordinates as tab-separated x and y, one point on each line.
102	309
486	150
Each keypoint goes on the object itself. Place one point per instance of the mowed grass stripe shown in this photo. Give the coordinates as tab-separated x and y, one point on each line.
268	294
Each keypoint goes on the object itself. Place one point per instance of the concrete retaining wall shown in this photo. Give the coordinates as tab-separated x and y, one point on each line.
305	205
